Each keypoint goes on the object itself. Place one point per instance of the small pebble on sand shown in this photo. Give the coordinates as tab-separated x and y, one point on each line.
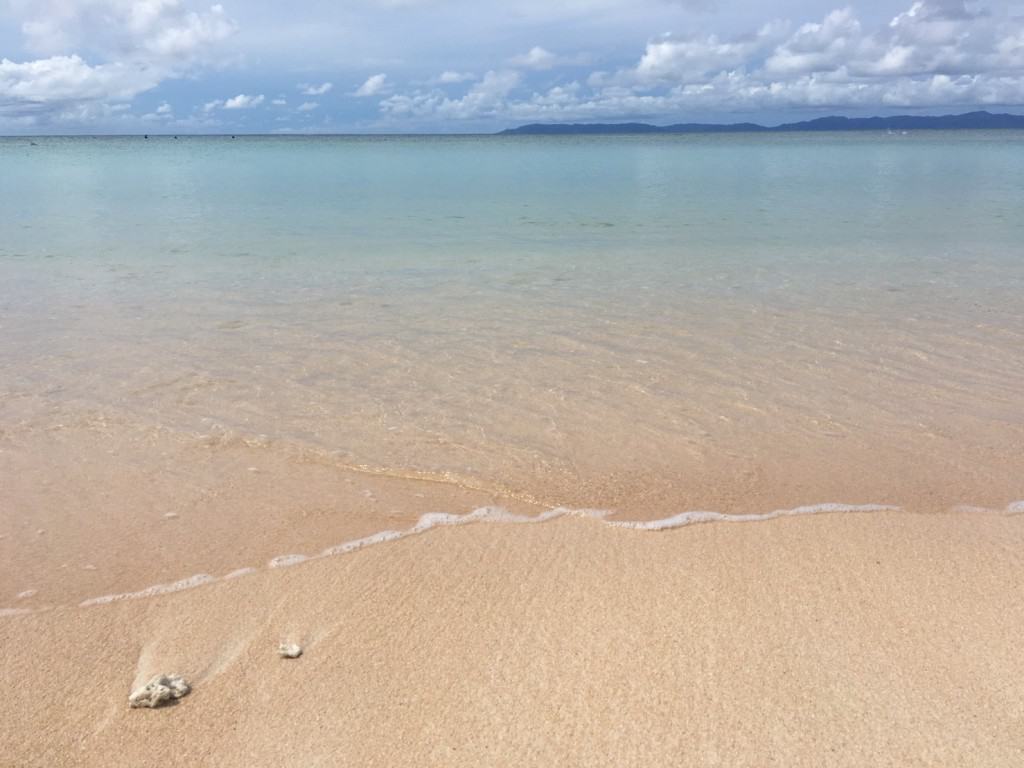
289	650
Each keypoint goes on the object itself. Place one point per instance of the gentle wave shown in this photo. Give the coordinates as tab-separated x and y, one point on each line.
432	520
158	589
500	515
689	518
1016	508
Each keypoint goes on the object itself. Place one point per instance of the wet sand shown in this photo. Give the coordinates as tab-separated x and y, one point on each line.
884	638
87	511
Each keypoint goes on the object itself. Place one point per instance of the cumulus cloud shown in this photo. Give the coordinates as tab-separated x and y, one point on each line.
135	44
535	58
449	77
374	84
307	106
540	58
162	113
307	89
64	81
487	98
693	59
934	53
243	101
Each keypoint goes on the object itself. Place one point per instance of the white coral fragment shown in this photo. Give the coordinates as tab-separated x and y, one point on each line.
289	650
160	689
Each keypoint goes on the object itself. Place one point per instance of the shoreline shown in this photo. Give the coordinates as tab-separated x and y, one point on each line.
498	515
839	639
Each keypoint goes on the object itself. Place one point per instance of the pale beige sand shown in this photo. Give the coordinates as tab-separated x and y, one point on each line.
85	513
836	639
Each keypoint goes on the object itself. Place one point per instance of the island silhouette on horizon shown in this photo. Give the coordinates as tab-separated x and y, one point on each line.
979	120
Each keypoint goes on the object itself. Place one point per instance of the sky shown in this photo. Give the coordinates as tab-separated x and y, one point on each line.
452	66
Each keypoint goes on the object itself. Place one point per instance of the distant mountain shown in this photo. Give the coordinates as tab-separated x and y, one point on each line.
967	121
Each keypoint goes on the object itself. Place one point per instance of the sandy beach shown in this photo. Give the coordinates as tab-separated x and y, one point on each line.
845	639
634	450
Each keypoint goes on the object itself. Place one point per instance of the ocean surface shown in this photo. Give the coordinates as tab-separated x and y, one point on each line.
620	322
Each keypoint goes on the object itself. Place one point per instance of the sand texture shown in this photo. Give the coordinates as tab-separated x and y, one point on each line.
846	639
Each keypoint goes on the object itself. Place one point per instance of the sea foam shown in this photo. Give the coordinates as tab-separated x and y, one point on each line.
158	589
433	520
689	518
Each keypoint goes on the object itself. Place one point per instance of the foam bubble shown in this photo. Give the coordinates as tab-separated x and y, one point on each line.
366	541
284	561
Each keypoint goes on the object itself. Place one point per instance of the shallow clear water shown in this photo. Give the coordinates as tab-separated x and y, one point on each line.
574	319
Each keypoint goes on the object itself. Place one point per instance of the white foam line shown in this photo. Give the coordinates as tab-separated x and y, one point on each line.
690	518
499	515
239	572
1013	508
283	561
434	520
159	589
366	541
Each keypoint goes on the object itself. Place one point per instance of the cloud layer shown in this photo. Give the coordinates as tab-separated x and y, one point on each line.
934	53
137	44
100	62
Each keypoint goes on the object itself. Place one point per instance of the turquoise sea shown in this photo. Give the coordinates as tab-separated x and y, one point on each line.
547	314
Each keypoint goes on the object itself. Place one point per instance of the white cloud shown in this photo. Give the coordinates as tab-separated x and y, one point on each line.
936	53
373	85
138	44
486	98
161	113
307	106
87	60
449	77
243	101
61	81
164	29
540	59
694	59
535	58
307	89
817	46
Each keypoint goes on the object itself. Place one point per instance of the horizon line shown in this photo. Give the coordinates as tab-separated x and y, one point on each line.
513	130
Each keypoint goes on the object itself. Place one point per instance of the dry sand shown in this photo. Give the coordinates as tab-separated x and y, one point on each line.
836	639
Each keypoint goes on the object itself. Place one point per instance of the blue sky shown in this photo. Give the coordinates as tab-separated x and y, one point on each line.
180	66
